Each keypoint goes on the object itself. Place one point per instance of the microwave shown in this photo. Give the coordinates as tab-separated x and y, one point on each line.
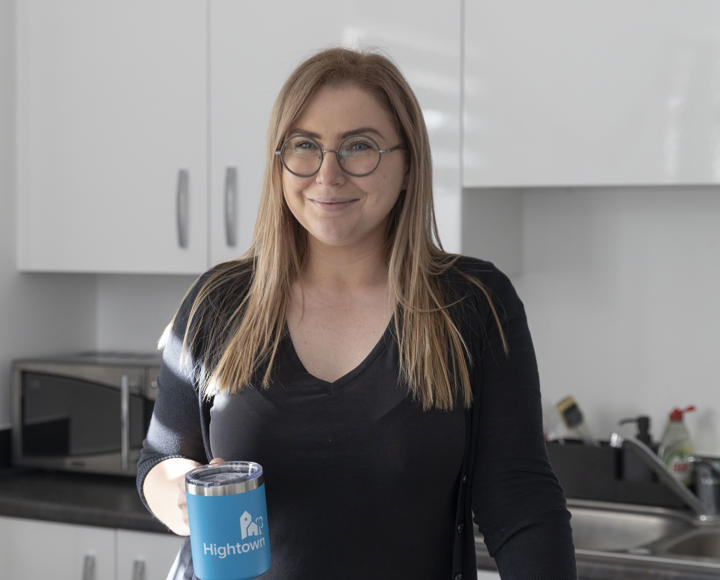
85	412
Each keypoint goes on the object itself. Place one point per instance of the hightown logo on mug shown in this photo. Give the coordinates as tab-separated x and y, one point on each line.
248	527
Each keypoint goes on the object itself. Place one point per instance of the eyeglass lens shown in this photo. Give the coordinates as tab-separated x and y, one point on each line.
357	155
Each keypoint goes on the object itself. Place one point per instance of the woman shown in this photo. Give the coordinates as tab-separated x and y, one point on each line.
389	389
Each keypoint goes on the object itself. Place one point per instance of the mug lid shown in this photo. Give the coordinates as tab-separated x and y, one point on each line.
224	478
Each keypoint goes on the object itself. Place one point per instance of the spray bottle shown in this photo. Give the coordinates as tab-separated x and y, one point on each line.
676	446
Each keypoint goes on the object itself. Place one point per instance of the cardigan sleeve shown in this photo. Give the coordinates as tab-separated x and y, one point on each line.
516	499
179	415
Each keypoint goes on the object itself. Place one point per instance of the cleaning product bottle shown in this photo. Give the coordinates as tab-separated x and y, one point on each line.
676	446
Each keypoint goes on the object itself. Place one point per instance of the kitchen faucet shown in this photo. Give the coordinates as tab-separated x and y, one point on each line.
705	512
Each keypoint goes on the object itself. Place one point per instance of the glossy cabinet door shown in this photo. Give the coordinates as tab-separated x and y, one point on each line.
145	555
254	47
111	129
37	549
591	93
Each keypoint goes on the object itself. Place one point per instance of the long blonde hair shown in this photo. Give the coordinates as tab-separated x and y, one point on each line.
242	331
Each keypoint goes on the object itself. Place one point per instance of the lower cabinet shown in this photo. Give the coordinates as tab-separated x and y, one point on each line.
39	550
144	555
31	549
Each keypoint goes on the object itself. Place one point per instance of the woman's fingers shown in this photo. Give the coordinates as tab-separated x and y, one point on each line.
181	500
182	496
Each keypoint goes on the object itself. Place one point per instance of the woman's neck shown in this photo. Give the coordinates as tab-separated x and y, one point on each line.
344	269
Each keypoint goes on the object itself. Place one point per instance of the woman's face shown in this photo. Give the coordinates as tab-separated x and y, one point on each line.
335	208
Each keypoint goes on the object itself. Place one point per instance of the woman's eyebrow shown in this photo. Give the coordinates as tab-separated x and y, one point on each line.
362	130
359	130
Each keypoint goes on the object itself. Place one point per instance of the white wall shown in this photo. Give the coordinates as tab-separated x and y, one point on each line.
622	290
39	314
132	311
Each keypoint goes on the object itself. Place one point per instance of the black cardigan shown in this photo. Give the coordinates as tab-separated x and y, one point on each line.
523	517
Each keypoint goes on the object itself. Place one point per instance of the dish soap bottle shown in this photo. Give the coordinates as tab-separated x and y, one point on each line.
634	469
676	446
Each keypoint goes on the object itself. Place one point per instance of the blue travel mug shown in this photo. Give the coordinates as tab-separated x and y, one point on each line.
228	520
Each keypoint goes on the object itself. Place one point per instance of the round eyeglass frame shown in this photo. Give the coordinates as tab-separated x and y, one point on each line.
279	152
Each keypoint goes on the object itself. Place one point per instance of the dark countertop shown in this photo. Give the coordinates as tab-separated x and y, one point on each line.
113	502
75	498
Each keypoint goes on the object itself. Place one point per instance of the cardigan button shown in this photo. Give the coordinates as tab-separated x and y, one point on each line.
460	529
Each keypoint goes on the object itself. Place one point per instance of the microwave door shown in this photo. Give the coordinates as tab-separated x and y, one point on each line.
81	423
69	416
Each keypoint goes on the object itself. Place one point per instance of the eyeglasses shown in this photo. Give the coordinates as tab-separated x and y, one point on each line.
357	155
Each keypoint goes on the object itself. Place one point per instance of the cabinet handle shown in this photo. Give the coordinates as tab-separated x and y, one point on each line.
88	572
231	206
125	422
183	186
138	571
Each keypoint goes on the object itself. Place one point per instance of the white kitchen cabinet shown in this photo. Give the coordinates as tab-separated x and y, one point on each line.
34	549
591	93
38	550
132	121
111	130
145	555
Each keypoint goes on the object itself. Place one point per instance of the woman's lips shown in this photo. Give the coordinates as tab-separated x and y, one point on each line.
332	204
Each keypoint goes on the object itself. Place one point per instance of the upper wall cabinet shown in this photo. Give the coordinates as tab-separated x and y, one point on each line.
142	126
111	130
591	93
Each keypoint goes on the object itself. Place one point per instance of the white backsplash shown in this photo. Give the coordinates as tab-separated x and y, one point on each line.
133	310
621	287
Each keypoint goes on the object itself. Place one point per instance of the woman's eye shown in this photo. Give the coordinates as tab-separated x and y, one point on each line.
358	146
305	145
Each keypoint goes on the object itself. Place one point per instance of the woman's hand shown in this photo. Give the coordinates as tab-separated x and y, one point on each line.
164	490
182	496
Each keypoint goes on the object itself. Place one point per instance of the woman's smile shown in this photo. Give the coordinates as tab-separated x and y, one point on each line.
332	205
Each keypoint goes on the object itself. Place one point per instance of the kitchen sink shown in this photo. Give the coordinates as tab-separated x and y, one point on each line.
612	528
637	542
697	544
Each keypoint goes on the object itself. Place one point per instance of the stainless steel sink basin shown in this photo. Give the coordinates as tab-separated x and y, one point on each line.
637	541
608	529
697	544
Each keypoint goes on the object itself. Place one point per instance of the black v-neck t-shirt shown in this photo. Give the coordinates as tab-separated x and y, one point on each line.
358	478
361	482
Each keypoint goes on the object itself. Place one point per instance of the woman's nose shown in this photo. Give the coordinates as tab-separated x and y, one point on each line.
330	172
